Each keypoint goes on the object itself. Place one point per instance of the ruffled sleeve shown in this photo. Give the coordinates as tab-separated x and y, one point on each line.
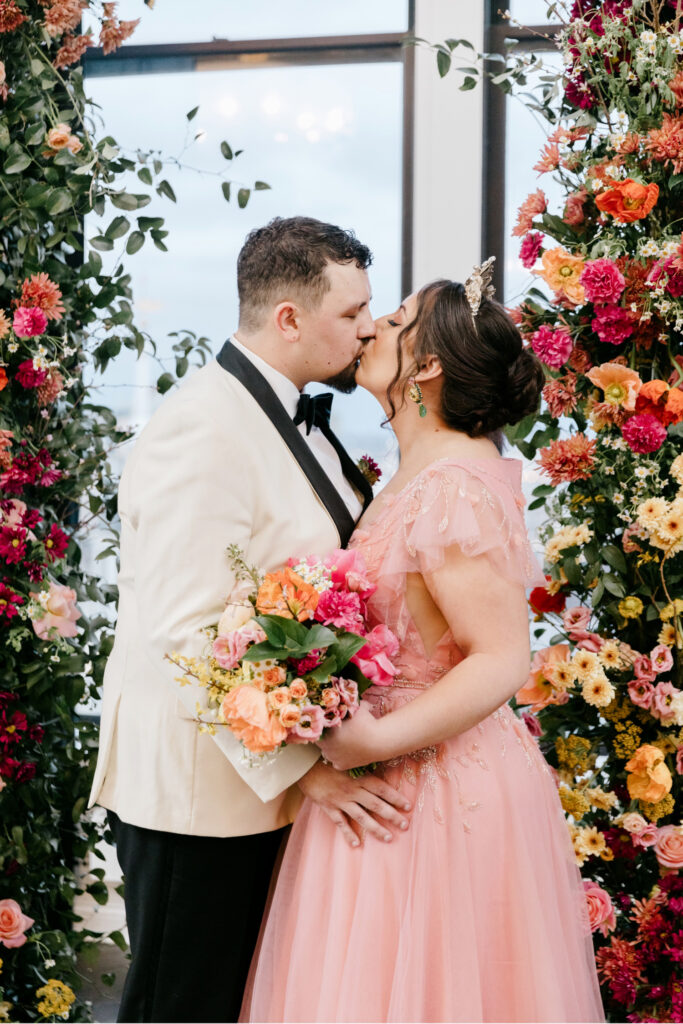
478	509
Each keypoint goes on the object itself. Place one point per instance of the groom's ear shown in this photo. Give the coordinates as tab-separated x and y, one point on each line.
287	319
429	370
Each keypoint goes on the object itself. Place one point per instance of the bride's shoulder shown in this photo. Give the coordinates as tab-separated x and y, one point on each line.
473	478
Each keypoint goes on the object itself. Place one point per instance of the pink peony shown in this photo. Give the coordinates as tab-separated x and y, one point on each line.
553	347
13	924
28	376
601	913
532	723
230	648
643	433
349	572
341	609
602	281
374	658
309	727
612	324
530	248
669	847
661	658
60	612
641	693
29	321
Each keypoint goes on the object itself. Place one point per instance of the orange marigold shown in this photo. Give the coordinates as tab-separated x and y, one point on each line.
64	16
628	200
41	291
11	17
564	461
562	271
72	49
115	32
549	158
666	143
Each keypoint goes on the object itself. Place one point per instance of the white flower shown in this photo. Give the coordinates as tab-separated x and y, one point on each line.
649	248
641	472
618	498
12	347
596	185
613	172
621	119
48	964
608	470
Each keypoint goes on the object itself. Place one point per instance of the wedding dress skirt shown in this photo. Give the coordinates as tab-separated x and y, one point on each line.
477	912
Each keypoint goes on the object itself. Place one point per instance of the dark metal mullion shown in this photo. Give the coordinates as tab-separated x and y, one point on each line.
408	165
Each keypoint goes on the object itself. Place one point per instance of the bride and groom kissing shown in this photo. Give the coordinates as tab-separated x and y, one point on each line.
442	886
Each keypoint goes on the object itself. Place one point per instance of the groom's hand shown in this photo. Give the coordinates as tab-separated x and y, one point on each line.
369	802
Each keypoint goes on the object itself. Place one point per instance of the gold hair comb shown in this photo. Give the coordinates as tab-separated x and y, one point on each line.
479	285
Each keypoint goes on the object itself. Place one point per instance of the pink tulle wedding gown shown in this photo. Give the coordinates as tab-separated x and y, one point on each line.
476	913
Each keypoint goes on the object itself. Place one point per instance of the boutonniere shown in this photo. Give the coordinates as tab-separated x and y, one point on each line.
369	469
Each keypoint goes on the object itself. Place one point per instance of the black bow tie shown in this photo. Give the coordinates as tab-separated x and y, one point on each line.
314	411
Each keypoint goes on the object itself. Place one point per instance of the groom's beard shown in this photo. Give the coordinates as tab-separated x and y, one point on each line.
345	380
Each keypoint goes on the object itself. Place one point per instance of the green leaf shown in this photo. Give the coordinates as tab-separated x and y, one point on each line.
225	188
226	150
77	808
17	159
165	382
164	189
4	135
191	113
614	585
468	83
59	201
118	227
145	175
243	197
443	62
572	570
675	180
35	133
124	201
101	243
345	647
135	242
118	939
614	557
260	186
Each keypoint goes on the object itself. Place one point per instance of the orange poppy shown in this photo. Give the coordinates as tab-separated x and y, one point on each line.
657	398
3	379
628	200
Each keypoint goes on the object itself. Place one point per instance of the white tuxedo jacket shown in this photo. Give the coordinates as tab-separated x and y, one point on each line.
209	470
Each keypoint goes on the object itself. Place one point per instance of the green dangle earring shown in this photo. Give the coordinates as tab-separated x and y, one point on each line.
415	395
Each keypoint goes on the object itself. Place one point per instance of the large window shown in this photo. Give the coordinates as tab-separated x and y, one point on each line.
320	115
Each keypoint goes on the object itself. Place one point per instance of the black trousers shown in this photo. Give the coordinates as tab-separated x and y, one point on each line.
193	906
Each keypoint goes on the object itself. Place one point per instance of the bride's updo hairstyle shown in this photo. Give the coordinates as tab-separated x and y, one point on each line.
489	378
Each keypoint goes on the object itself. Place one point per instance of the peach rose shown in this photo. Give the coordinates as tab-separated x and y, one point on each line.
74	145
279	697
634	823
649	778
245	709
298	689
669	847
60	612
289	716
58	137
234	617
330	698
600	908
13	924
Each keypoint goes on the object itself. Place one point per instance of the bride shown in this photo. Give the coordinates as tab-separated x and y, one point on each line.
476	913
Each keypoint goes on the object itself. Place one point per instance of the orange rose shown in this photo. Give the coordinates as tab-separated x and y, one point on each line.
245	709
287	594
58	137
3	379
279	697
649	778
561	271
298	689
628	200
274	676
657	398
290	715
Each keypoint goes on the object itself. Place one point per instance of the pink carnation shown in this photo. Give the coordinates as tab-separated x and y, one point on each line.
341	609
28	376
29	321
309	727
602	281
553	347
601	913
612	324
670	267
374	658
661	658
641	693
230	648
530	248
644	433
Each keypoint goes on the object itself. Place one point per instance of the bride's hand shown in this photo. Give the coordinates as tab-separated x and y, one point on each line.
353	743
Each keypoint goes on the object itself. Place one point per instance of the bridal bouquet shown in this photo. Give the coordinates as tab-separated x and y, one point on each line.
294	657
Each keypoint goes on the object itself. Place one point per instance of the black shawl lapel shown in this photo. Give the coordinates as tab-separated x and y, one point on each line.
232	360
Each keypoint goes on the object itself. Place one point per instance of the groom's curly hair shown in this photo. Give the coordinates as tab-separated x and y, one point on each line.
286	259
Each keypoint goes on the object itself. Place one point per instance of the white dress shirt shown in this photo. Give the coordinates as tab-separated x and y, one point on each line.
288	393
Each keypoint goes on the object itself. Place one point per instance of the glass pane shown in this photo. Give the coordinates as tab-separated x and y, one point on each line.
177	21
531	12
326	152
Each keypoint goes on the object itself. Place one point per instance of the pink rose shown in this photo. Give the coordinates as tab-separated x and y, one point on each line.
13	924
373	658
612	324
309	727
601	912
634	823
60	612
230	648
576	618
643	433
661	658
602	281
29	321
641	693
341	609
669	847
532	723
643	669
553	347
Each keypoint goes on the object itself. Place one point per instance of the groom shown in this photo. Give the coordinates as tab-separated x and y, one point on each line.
234	456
